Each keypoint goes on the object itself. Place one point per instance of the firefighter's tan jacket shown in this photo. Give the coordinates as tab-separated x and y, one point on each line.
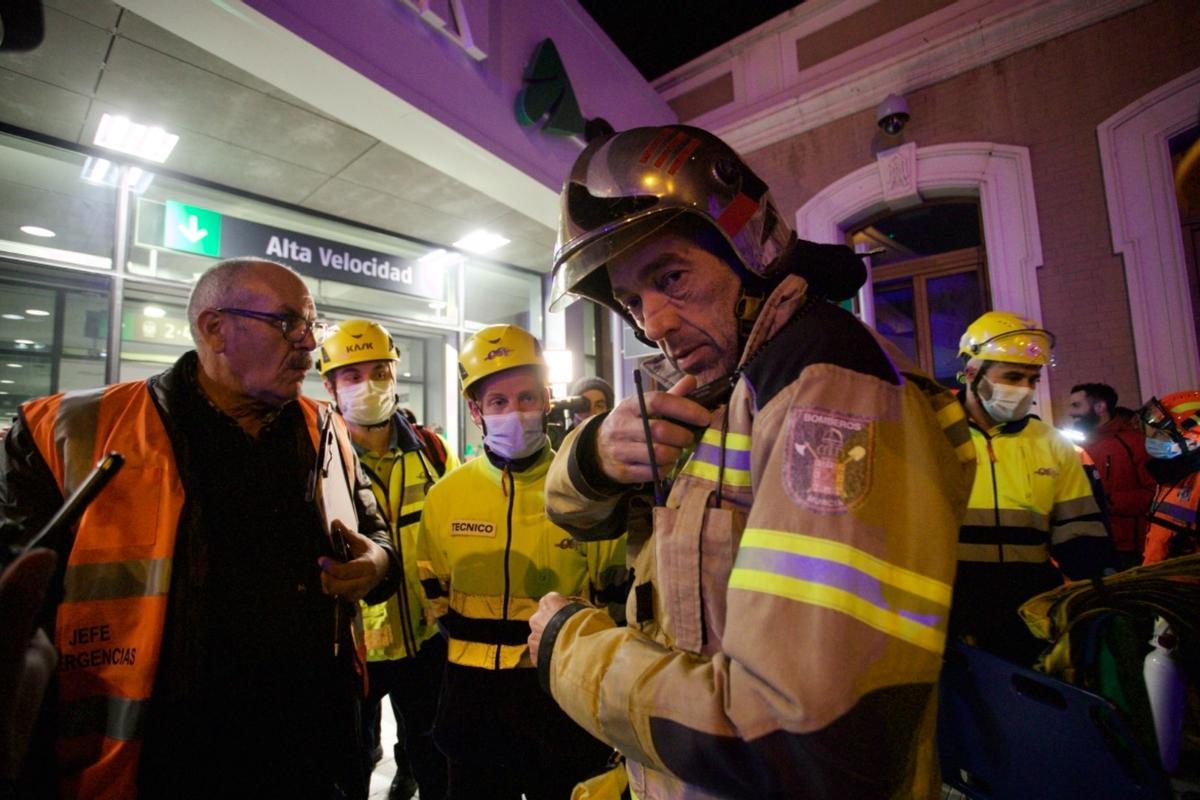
790	603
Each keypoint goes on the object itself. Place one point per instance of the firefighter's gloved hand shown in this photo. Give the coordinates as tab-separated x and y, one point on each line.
621	441
352	579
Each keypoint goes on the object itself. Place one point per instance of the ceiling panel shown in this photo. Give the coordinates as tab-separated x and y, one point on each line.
362	203
101	13
228	164
70	56
159	87
39	106
387	170
144	32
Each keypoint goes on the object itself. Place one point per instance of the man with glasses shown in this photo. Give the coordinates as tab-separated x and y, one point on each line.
201	609
1031	505
1172	426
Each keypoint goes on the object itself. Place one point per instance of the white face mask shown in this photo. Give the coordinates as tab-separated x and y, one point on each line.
516	434
367	402
1006	403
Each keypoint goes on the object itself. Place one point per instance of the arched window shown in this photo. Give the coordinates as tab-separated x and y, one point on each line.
928	278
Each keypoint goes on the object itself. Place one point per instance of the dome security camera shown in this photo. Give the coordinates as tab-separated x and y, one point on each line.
892	114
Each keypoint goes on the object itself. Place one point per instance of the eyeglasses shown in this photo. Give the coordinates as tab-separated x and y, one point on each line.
293	326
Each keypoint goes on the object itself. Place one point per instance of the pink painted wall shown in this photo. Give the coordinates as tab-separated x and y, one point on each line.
387	42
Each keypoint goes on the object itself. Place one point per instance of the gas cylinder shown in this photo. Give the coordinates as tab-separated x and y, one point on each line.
1164	684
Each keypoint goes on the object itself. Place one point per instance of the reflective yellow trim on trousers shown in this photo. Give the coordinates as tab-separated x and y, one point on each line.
477	654
818	594
904	579
483	606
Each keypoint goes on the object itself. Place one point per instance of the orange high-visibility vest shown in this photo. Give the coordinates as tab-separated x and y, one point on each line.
109	627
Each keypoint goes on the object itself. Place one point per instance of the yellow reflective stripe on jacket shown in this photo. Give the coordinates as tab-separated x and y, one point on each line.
1002	553
479	606
398	627
809	569
730	465
483	656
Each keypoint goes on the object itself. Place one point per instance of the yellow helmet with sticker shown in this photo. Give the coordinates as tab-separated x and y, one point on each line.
1004	336
495	349
353	342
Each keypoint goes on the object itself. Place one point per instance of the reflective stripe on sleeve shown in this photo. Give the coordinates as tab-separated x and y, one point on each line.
808	569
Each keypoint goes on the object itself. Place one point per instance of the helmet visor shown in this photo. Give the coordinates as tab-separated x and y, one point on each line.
1155	415
573	272
1025	346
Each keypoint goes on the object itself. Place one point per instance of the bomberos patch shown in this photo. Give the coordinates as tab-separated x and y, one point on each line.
828	463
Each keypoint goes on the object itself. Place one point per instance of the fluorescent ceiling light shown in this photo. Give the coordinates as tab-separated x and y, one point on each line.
144	141
13	316
6	380
35	230
481	242
14	366
154	312
37	312
24	341
96	169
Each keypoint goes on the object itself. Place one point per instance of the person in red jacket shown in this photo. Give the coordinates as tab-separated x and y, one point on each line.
1118	450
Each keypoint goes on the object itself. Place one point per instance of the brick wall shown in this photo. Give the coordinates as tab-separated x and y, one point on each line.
1049	98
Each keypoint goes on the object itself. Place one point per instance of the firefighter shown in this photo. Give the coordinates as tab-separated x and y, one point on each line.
488	553
1031	501
404	653
791	595
1172	427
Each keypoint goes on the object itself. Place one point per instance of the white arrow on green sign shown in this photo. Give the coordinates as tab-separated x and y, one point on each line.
192	229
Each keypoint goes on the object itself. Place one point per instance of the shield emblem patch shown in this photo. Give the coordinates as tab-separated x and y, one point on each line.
828	465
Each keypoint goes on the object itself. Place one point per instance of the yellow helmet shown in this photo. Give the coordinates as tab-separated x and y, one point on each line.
1004	336
353	342
495	349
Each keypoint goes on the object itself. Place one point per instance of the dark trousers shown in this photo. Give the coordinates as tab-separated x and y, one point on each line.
505	737
412	685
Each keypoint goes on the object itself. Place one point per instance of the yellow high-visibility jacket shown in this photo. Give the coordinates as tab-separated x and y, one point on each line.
400	478
487	554
1031	499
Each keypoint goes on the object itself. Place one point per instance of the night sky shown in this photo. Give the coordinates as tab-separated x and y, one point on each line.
660	35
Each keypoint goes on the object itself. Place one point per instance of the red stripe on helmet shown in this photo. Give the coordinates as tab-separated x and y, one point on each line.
679	139
654	145
683	155
737	214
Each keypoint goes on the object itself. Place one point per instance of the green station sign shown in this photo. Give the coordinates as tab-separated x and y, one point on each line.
192	229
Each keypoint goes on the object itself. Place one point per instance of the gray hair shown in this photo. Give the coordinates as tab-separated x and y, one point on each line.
221	284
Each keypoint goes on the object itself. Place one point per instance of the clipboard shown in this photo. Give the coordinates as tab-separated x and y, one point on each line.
331	486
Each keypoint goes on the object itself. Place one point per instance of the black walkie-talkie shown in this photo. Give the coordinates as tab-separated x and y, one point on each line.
80	499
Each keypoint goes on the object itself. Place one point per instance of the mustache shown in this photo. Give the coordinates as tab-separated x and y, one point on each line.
303	362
